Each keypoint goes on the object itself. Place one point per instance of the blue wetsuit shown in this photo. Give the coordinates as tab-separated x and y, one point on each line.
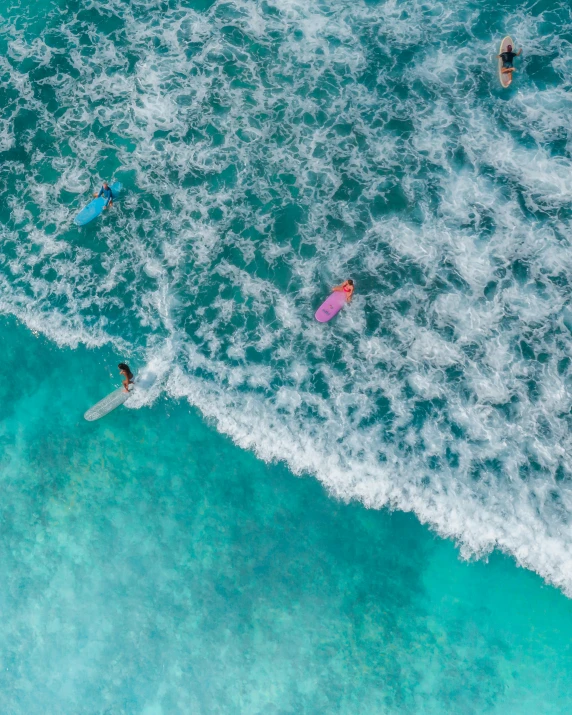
107	194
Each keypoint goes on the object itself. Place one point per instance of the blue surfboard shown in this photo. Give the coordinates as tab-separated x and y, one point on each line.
95	207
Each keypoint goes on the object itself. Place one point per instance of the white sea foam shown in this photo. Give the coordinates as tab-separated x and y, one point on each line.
269	150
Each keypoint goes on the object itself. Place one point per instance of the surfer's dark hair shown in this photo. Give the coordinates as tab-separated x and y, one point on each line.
350	281
124	366
509	47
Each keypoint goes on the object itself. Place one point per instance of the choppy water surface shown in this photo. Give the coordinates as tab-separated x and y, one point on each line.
271	149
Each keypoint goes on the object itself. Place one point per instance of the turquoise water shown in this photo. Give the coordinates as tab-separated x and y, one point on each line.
151	566
268	150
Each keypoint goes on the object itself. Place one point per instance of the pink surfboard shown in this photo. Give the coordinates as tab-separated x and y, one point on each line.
331	306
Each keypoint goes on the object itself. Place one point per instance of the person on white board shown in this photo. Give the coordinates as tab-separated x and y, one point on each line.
127	374
507	57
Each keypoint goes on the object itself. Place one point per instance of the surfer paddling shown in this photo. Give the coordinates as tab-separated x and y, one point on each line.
346	287
107	194
507	57
127	374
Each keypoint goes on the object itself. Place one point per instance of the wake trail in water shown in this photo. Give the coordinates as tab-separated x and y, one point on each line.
269	151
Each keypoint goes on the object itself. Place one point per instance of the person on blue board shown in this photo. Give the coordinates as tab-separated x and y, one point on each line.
127	374
107	194
507	58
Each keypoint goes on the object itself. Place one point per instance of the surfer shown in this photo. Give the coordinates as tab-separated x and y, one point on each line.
107	194
346	287
127	374
507	57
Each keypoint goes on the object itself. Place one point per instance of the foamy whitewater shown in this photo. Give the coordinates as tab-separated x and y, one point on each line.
268	151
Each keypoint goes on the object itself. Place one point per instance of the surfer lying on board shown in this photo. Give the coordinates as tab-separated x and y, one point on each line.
107	194
507	58
127	374
346	287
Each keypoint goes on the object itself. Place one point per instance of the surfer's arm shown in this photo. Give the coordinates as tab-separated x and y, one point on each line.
519	53
336	289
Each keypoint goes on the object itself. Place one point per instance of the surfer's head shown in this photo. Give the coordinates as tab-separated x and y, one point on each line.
124	366
350	282
105	184
509	48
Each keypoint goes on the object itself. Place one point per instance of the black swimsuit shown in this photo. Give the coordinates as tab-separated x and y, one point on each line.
507	58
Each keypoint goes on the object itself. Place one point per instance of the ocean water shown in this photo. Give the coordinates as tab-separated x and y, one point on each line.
149	565
269	150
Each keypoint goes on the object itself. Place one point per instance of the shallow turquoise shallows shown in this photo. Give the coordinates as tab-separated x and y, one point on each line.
413	551
148	565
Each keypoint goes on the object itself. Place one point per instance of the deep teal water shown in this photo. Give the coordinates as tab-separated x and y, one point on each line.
155	562
148	565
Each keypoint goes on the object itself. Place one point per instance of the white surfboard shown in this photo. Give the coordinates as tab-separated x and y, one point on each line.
109	403
505	78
